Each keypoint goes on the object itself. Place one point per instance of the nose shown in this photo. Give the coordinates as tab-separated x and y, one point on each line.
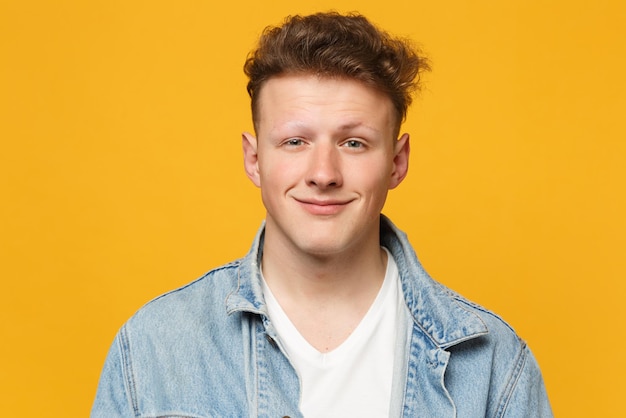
324	169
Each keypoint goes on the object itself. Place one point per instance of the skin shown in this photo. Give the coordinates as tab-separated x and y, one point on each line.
325	158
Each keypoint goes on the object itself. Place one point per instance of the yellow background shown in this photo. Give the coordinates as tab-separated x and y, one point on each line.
121	175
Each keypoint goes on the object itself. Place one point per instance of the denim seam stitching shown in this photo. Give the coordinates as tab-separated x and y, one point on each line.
130	376
512	382
462	301
231	265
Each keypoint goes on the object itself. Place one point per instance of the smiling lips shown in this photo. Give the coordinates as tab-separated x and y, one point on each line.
322	207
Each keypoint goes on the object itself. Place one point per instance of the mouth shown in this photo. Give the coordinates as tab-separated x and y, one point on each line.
322	207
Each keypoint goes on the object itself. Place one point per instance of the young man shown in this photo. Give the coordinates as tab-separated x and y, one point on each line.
330	314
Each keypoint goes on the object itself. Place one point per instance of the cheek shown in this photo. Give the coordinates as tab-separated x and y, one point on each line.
276	172
373	174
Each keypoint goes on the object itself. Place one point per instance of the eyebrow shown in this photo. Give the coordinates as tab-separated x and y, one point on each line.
345	127
353	125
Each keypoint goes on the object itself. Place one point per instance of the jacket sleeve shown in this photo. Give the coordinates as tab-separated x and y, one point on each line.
113	398
527	397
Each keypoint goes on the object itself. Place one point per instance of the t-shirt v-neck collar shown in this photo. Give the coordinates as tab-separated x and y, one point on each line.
296	345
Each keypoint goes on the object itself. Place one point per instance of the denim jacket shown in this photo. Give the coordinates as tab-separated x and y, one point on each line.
209	349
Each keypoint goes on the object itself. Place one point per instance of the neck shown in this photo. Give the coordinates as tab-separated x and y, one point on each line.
298	275
324	295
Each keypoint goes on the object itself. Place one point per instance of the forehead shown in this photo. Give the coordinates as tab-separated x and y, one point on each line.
310	99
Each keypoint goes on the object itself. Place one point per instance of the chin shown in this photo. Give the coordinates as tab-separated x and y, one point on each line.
323	249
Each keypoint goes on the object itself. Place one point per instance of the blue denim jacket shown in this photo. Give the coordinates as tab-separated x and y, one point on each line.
209	349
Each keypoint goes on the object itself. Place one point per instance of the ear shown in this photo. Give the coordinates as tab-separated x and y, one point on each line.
250	158
400	161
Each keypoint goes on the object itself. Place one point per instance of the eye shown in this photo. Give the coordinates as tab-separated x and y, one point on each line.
353	143
294	142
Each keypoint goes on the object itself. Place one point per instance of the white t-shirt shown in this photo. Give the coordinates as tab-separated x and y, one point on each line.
354	379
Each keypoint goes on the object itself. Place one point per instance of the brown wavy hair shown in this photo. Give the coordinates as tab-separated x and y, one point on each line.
334	45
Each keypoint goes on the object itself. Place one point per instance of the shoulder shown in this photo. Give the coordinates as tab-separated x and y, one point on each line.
499	367
497	326
202	298
494	351
176	326
501	338
185	336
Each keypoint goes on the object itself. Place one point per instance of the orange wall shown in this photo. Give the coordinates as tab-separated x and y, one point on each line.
121	175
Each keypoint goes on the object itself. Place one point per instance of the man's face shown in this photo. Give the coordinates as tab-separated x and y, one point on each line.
324	159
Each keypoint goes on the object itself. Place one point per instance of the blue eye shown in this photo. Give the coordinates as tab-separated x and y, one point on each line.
353	143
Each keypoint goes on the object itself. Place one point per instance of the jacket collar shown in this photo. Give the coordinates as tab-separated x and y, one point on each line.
248	296
437	311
